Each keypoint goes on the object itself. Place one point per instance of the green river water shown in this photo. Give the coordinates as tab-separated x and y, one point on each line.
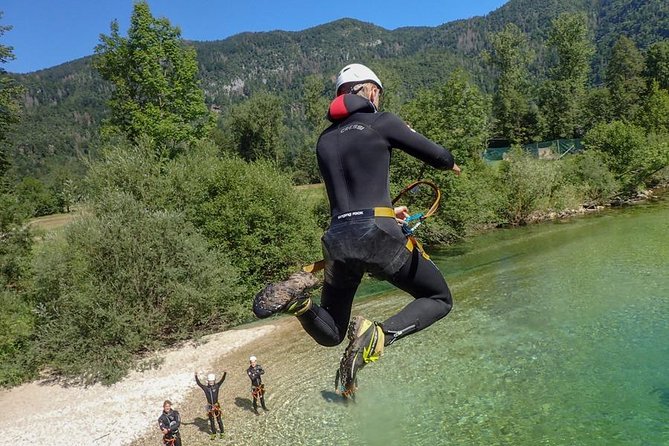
559	336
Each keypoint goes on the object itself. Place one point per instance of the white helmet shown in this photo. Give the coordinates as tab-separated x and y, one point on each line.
211	377
356	73
253	358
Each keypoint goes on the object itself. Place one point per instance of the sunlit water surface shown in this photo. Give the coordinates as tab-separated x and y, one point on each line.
559	336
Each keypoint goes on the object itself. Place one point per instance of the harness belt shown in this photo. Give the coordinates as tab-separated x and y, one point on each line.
258	391
215	409
375	212
411	243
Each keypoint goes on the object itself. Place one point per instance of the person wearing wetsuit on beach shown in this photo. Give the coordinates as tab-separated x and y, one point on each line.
254	373
213	406
364	235
169	423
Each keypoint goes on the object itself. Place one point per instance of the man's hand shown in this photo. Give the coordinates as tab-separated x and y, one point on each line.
166	431
456	169
401	213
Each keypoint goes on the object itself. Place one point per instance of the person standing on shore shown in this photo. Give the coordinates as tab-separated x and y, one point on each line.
213	406
257	387
169	422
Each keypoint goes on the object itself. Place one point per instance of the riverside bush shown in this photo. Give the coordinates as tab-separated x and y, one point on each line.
150	263
527	185
590	175
469	201
122	281
626	150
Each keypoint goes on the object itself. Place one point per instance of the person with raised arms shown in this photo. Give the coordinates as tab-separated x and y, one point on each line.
213	407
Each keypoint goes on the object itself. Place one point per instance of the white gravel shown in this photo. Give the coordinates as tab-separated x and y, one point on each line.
41	413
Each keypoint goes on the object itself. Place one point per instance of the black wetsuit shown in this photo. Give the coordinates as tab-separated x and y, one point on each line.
170	420
213	406
354	158
257	388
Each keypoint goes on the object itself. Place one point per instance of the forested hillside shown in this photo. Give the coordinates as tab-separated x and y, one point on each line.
65	104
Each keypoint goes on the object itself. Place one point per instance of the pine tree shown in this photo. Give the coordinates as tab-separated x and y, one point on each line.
657	64
563	95
624	80
510	56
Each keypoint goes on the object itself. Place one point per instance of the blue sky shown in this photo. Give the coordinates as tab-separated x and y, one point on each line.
50	32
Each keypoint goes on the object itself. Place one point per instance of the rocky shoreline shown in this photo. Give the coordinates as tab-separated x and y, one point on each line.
588	208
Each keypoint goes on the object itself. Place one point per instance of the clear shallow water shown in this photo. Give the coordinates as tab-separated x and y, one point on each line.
559	336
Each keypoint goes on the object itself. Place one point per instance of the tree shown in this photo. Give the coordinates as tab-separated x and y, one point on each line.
393	87
315	103
255	130
156	88
597	107
564	93
510	56
657	64
16	241
455	115
10	93
35	197
623	78
654	113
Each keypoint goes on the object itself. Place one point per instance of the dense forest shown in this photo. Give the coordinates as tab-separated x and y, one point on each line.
184	167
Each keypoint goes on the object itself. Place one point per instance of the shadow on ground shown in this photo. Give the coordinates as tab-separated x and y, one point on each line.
244	403
333	397
201	423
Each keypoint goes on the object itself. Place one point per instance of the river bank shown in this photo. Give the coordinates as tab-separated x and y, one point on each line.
589	208
37	412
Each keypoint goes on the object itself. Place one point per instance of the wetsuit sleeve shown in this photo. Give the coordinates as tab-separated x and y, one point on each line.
260	370
218	384
399	135
161	423
197	380
177	422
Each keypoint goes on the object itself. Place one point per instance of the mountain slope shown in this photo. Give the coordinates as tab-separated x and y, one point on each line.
65	104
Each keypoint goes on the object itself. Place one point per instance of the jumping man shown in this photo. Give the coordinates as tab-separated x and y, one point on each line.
364	234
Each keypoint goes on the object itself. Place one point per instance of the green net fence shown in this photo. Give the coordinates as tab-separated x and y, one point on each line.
546	149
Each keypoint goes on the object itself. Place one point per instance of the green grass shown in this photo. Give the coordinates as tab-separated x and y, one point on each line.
312	193
52	222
